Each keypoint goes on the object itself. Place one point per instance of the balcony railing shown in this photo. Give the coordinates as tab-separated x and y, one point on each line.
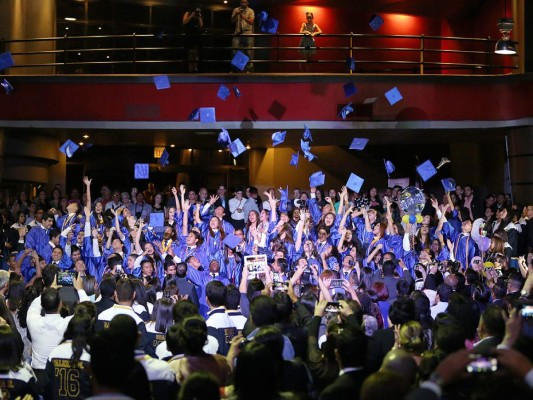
278	53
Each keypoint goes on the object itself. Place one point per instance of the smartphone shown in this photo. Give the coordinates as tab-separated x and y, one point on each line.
65	278
281	286
527	312
333	307
336	283
482	364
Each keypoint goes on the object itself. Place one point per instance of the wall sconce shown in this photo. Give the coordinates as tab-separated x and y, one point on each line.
505	45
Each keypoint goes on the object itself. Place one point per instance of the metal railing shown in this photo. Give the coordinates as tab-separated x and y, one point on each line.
271	53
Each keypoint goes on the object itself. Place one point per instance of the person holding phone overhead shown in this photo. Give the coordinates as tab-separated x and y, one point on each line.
309	30
243	17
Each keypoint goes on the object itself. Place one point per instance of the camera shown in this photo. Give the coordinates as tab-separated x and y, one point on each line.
300	203
351	263
198	11
281	286
336	283
333	307
482	364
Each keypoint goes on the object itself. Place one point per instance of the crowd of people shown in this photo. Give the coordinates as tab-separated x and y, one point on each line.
180	293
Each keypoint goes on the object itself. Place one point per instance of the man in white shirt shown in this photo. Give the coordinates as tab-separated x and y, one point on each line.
444	291
47	331
236	207
219	324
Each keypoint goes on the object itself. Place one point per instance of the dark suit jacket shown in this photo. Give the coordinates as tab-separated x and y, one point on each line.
103	305
345	387
378	346
186	287
486	345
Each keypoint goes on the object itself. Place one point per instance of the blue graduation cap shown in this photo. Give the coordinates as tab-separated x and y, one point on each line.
284	199
159	35
163	160
304	145
223	92
236	91
349	89
6	61
358	143
236	148
7	86
207	115
240	60
347	109
223	138
161	82
157	221
389	167
355	183
310	156
69	148
448	184
278	137
307	134
295	158
317	179
375	22
263	16
141	171
393	96
232	240
194	115
350	63
426	170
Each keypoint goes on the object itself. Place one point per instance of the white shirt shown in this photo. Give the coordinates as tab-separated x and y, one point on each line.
235	205
438	308
46	332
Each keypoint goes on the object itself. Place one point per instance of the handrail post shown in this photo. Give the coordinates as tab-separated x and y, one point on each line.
422	54
351	52
134	52
277	51
65	62
489	56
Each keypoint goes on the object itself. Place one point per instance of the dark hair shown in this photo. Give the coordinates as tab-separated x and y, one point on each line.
465	311
88	284
10	350
215	292
173	340
480	293
402	310
17	286
183	309
254	288
200	385
499	289
233	297
351	345
193	335
263	311
50	300
493	321
108	285
181	270
140	293
80	330
388	268
255	360
162	314
49	273
125	289
403	287
471	276
111	360
271	337
86	308
448	335
444	291
284	306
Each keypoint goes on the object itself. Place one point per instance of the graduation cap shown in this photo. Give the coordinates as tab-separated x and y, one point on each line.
232	241
349	89
194	115
6	61
207	115
223	92
375	22
317	179
69	148
389	167
161	82
163	160
278	137
310	156
370	100
240	60
358	143
426	170
223	138
236	91
448	184
355	182
236	148
7	86
393	96
263	16
141	171
295	158
159	35
304	145
350	63
307	134
347	109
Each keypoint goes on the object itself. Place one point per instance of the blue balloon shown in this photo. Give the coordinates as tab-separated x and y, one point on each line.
412	219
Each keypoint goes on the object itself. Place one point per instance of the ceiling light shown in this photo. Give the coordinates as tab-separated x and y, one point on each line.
220	151
172	145
81	143
190	149
86	136
70	19
505	45
248	147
